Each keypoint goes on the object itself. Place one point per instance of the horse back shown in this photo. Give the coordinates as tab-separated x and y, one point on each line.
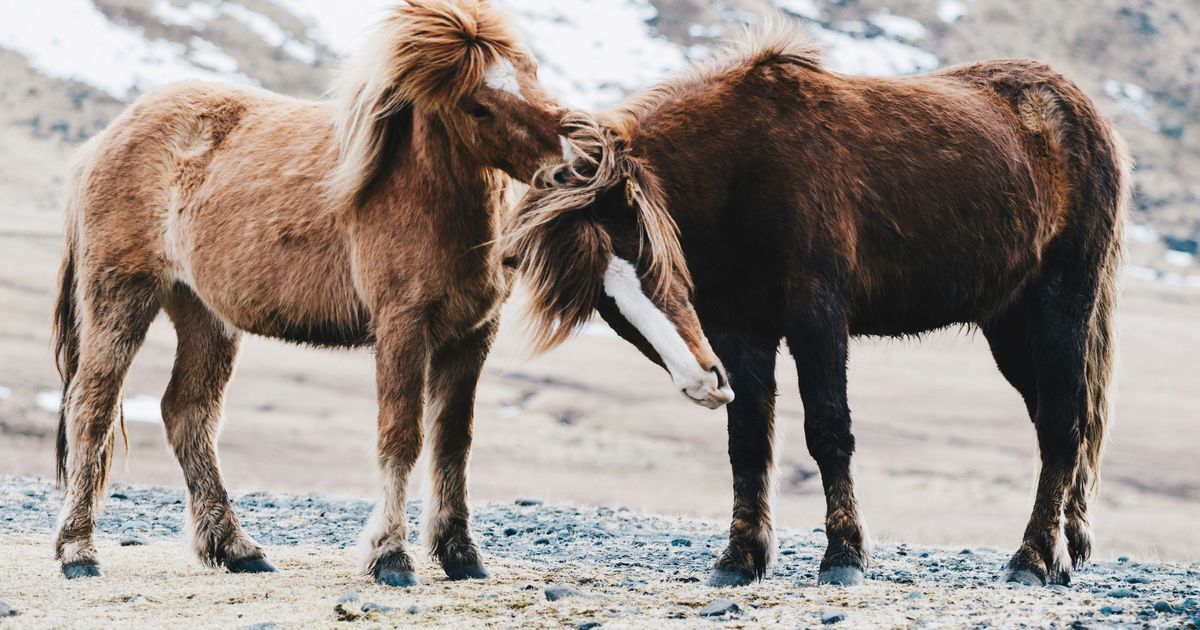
966	187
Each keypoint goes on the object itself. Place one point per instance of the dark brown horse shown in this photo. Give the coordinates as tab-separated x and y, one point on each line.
366	219
811	206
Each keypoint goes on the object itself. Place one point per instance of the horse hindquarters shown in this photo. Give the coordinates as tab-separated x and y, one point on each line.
104	314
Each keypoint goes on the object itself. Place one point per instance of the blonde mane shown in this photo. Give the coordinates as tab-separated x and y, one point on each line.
561	249
428	53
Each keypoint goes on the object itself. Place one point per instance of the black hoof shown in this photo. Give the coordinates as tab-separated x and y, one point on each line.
470	572
250	565
721	577
1024	577
399	579
76	570
841	576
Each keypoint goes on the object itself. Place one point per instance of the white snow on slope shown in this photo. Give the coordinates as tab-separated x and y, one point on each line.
72	39
592	52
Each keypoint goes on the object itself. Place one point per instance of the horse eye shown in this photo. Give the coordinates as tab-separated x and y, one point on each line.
480	112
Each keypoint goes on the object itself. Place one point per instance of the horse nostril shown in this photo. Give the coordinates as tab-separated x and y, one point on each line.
720	374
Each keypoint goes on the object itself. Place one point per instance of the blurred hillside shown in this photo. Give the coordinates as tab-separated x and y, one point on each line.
69	66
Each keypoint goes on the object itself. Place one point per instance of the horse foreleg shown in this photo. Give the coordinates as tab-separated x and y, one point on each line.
819	343
402	360
205	354
453	379
751	367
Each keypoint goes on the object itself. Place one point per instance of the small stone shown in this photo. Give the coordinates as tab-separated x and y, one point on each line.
719	608
915	595
1059	588
1123	559
966	552
557	592
681	542
542	541
1112	610
119	496
1163	607
528	502
132	541
370	607
7	611
413	610
832	616
1190	603
510	531
266	625
1121	592
347	598
589	625
135	524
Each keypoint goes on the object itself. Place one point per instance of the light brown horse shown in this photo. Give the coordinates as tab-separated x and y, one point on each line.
367	219
769	198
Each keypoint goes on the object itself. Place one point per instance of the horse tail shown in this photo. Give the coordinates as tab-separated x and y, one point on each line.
1101	339
65	334
66	346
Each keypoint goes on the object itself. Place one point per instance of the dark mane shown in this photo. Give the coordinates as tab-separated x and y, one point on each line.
562	251
776	41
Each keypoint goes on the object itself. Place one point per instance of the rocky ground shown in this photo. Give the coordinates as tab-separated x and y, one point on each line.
553	566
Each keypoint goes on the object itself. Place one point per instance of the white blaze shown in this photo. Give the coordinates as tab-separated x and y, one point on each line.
621	283
503	77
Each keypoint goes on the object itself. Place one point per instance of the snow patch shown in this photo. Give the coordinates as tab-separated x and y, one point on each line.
1141	233
5	392
802	8
898	26
1178	259
876	56
271	32
1133	99
137	408
950	11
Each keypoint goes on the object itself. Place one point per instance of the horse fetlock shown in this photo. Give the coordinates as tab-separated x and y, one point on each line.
393	568
457	553
744	560
76	551
1079	541
1038	563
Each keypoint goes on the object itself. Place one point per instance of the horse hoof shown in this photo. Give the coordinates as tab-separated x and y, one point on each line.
841	576
77	570
250	565
469	572
1024	577
721	577
399	579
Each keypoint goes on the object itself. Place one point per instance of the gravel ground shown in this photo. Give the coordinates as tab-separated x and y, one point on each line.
632	569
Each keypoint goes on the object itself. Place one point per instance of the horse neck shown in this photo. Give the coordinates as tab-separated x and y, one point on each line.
456	191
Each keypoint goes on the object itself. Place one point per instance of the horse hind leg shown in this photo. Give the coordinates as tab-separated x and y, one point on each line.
204	360
117	310
1060	311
